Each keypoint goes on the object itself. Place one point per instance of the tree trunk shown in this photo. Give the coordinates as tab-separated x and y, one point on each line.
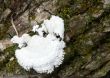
87	36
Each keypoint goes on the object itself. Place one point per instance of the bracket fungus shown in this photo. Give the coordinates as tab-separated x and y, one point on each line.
39	52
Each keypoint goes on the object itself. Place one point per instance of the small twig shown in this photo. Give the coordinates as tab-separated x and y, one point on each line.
14	26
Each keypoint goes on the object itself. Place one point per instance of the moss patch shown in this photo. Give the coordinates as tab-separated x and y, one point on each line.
14	68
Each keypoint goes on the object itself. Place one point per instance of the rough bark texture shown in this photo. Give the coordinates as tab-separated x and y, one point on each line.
87	36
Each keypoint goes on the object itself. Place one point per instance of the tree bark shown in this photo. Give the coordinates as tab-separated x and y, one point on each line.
87	35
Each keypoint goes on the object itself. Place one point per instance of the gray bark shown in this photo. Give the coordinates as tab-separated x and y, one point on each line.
87	36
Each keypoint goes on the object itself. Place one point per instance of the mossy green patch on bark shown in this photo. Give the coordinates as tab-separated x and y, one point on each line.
9	63
13	67
7	53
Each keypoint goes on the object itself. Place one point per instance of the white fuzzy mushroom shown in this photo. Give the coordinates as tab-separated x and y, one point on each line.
42	54
55	26
21	40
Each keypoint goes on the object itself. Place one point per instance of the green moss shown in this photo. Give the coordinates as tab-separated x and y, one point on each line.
14	68
96	11
83	45
10	67
65	12
7	54
10	50
9	63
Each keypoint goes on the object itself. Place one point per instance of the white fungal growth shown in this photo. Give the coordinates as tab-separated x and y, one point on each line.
21	40
35	28
42	54
54	26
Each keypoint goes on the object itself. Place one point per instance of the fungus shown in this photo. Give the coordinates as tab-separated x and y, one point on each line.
42	53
